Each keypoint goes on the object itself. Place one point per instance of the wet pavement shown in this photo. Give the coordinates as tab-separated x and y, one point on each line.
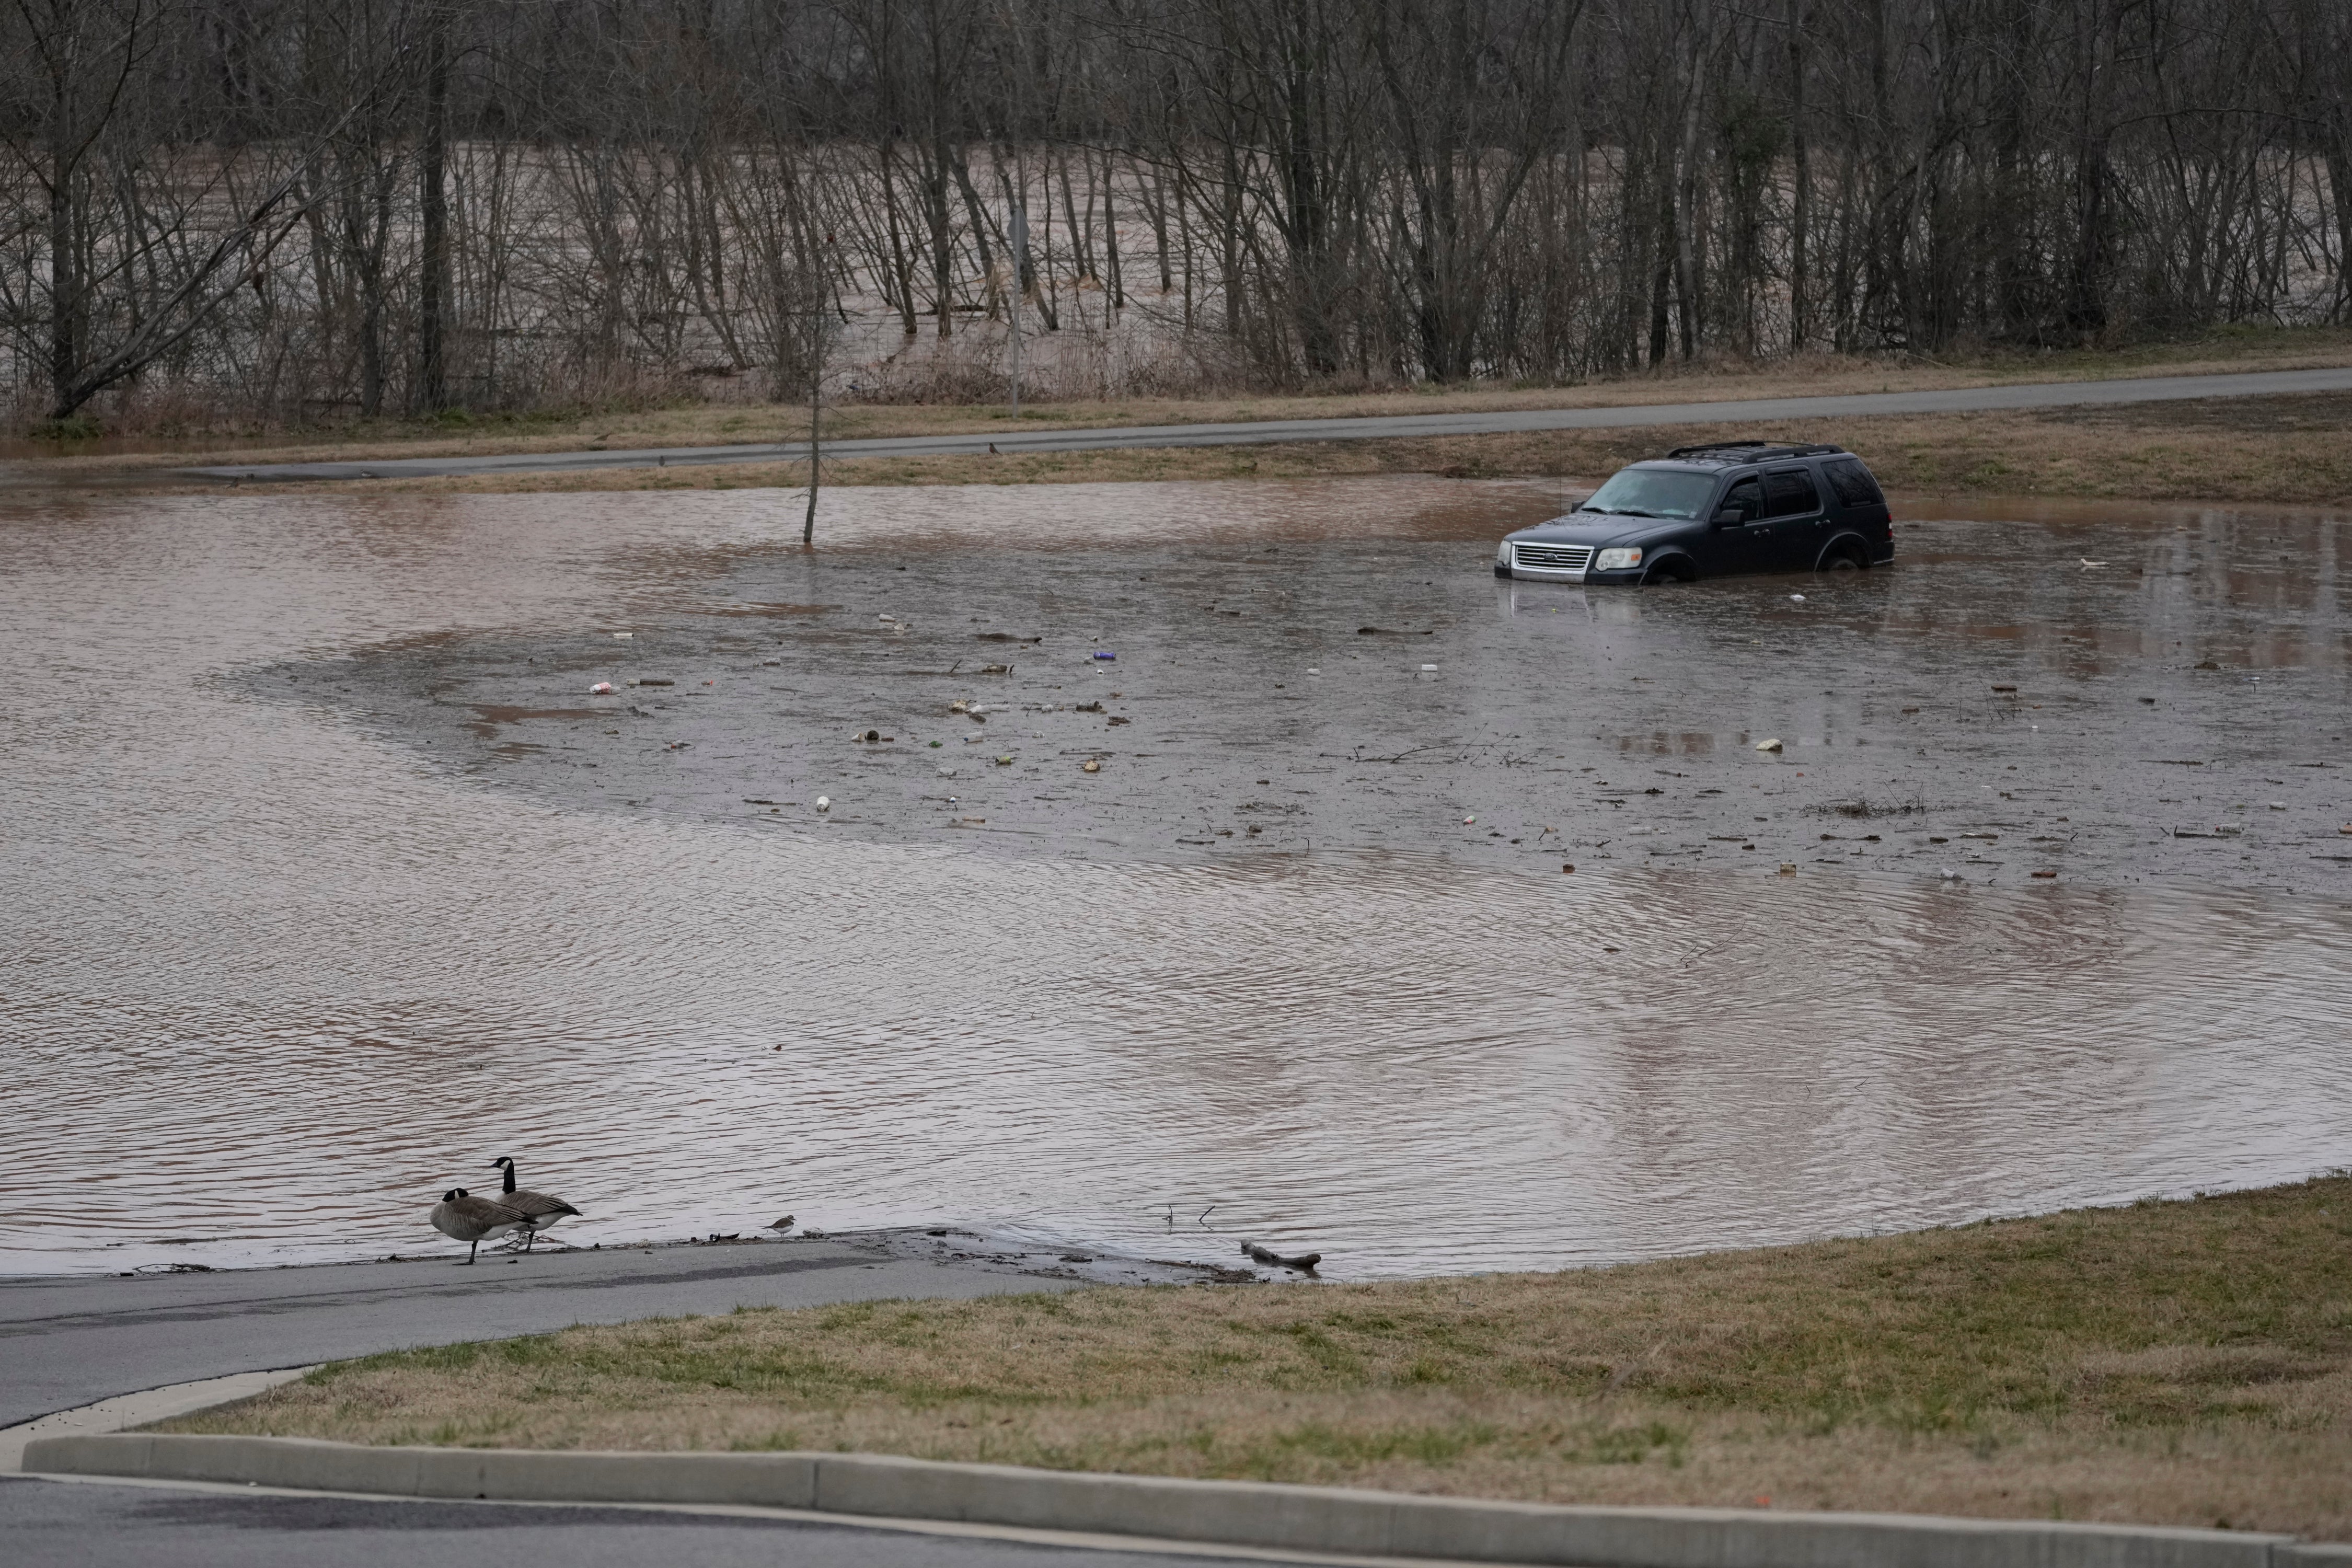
69	1341
332	880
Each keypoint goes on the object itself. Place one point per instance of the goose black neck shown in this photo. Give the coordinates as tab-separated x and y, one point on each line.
510	1169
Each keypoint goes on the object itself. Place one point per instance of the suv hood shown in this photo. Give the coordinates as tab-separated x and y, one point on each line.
1597	530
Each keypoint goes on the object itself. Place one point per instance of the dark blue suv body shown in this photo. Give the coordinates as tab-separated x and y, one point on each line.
1708	511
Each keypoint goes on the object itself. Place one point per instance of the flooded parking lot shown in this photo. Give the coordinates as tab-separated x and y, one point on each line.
327	880
2114	698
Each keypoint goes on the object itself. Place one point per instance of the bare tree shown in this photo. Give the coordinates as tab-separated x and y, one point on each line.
292	209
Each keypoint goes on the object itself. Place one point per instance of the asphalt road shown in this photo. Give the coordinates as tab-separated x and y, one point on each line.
70	1342
53	1524
1760	410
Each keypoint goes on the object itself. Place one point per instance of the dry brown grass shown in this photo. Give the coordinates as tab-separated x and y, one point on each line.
2180	1362
2239	349
2281	449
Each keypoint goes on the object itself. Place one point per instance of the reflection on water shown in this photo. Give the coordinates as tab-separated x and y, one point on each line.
269	985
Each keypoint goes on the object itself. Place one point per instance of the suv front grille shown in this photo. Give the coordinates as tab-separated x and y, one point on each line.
1552	557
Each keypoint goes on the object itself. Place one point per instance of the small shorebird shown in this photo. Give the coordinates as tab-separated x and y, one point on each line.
539	1210
461	1216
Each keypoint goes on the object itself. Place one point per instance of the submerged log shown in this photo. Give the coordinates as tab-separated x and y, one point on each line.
1305	1262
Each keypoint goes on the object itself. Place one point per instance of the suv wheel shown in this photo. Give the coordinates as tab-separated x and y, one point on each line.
1842	561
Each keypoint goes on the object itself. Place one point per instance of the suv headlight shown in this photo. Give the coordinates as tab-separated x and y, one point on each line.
1503	554
1617	560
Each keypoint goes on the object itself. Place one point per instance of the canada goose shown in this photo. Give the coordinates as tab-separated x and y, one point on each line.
539	1210
461	1216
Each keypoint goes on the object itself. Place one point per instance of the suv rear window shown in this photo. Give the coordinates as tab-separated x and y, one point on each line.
1853	483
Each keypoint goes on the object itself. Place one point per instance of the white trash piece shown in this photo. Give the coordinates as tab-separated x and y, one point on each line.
1429	670
622	636
825	803
602	688
1772	745
1796	598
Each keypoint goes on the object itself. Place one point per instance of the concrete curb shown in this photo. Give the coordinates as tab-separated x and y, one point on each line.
1232	1513
138	1409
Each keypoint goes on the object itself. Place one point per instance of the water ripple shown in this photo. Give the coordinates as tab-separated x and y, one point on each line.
268	984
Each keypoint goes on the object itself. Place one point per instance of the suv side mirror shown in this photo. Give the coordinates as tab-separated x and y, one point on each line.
1730	517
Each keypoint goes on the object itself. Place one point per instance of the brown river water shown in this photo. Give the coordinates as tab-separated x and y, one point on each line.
278	963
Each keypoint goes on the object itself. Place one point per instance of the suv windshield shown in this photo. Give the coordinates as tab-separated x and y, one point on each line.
1652	492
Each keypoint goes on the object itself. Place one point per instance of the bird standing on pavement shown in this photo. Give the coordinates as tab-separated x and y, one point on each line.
539	1210
461	1216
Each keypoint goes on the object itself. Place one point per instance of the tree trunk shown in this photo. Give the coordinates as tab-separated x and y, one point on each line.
433	282
1111	277
2339	179
1686	278
979	220
1801	205
65	303
902	271
1155	202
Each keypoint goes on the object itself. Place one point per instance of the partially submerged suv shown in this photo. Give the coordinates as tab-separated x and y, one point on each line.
1705	511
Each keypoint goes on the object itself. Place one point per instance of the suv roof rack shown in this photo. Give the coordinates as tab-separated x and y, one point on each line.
1749	451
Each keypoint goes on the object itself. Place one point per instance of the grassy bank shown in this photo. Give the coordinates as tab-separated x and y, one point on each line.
2175	1362
707	424
2294	450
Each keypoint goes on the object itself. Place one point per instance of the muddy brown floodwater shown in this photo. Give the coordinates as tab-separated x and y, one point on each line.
326	878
